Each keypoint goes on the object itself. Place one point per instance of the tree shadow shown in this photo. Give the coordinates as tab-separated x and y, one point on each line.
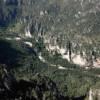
9	55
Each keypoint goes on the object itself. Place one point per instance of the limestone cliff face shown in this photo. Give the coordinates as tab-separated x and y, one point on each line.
70	27
94	94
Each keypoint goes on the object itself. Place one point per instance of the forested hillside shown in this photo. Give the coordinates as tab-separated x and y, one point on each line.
49	49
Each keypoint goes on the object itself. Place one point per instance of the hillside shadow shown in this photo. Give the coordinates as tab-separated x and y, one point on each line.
9	55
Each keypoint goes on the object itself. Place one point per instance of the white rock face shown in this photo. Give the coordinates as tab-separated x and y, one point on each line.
61	67
17	38
41	58
41	13
76	59
90	95
28	34
53	65
56	48
66	57
79	60
53	47
8	38
62	51
97	63
28	43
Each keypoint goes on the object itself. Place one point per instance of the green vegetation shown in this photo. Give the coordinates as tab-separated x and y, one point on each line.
70	24
72	83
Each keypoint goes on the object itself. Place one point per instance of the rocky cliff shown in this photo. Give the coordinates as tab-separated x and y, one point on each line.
69	27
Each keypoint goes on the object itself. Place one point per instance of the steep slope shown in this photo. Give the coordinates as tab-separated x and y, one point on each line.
55	38
71	26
